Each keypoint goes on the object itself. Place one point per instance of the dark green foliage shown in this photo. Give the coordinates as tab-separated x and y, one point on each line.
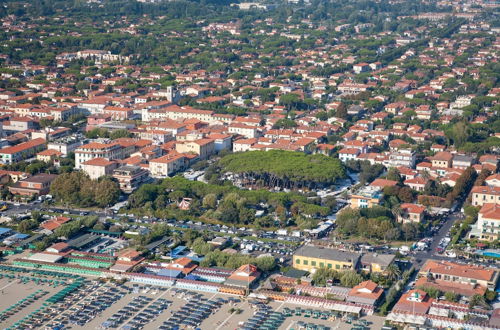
233	261
277	168
367	172
225	203
77	189
375	223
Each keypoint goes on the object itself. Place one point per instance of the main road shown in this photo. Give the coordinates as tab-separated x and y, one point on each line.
422	256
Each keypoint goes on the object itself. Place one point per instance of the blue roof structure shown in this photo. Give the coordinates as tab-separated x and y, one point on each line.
19	236
193	277
4	230
169	273
180	252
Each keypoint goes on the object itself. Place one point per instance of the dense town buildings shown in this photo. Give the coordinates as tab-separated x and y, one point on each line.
371	133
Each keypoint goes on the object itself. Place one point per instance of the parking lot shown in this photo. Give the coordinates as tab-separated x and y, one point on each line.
49	300
162	308
83	306
148	307
280	315
73	302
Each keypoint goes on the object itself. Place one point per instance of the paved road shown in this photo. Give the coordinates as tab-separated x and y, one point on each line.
421	257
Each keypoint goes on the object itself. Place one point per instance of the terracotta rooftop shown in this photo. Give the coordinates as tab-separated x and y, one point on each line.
23	146
98	162
460	270
490	211
383	183
486	190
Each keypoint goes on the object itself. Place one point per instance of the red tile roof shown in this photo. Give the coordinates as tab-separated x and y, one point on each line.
23	146
383	183
461	270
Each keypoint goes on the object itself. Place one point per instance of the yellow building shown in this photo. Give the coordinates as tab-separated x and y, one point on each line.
204	148
48	155
310	258
376	263
483	194
366	197
442	159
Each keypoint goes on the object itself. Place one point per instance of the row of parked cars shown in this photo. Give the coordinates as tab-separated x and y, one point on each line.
193	313
96	303
267	247
126	312
83	305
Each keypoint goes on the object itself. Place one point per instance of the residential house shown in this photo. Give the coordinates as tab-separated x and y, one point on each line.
442	159
118	113
204	148
376	262
411	213
487	226
361	67
418	183
382	183
167	165
243	144
366	197
130	177
221	141
462	161
97	167
484	194
247	131
48	155
22	151
493	180
347	154
402	157
38	184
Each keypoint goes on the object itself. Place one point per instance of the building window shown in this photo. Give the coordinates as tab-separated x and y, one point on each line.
305	262
313	263
337	266
322	265
329	265
297	261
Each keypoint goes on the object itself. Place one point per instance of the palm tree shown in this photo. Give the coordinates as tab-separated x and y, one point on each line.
478	300
177	237
397	211
393	272
426	175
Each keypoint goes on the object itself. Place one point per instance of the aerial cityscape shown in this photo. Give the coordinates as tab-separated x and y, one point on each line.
274	165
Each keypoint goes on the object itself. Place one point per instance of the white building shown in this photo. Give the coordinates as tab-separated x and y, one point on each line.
97	150
244	130
349	154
